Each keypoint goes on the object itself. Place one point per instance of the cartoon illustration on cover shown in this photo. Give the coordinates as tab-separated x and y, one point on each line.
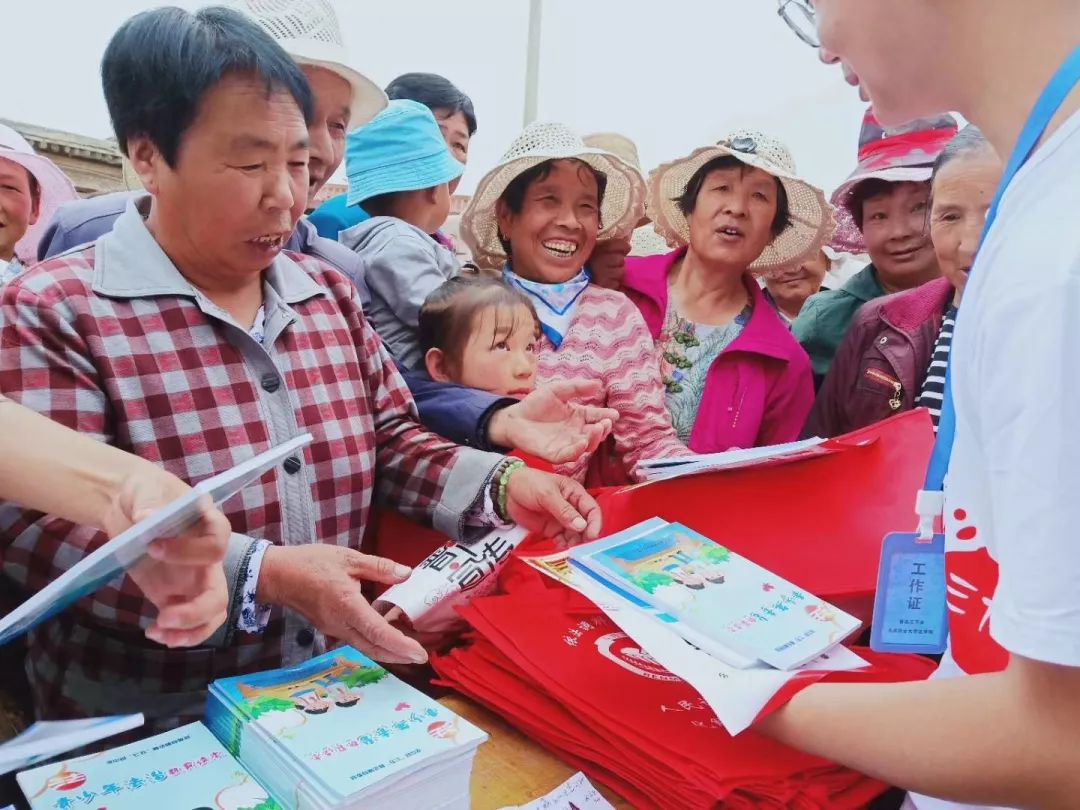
670	565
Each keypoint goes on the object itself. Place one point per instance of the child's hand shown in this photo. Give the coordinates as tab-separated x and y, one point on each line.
550	425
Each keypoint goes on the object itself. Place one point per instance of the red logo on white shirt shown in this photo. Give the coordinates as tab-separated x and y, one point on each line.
971	578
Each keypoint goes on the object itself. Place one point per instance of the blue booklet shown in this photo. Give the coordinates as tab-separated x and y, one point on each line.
187	768
720	594
340	726
127	548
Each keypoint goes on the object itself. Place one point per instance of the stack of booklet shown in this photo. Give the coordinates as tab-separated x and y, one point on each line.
340	732
186	768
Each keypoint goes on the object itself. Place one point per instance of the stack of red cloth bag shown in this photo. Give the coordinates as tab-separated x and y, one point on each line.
548	661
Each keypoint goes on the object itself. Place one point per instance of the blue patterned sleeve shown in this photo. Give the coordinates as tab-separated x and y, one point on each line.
253	616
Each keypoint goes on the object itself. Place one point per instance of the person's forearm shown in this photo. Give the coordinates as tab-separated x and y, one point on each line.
49	468
987	739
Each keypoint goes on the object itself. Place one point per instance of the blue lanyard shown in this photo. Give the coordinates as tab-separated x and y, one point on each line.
1059	88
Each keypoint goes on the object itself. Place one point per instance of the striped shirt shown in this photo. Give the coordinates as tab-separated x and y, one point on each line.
933	387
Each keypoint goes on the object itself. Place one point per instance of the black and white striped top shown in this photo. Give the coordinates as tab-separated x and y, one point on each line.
933	387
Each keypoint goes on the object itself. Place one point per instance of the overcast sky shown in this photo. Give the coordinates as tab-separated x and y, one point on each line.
670	74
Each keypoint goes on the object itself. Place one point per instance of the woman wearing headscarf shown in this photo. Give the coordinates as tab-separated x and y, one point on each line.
733	374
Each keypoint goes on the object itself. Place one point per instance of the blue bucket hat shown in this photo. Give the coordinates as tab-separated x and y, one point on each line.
400	149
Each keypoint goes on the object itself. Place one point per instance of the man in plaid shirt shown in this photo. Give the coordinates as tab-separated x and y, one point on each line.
191	339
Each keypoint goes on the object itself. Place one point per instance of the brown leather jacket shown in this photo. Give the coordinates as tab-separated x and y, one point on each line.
881	364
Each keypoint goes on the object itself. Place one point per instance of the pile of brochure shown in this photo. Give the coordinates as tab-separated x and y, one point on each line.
340	732
644	659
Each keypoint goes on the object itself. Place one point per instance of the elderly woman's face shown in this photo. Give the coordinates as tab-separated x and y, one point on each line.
731	223
555	232
18	206
240	183
962	193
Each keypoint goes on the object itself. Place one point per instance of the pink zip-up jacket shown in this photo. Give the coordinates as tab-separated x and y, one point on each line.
759	390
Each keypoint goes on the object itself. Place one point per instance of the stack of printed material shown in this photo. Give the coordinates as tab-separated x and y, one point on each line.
724	603
339	732
183	769
556	667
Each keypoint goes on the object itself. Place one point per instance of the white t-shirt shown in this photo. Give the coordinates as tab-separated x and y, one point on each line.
1012	513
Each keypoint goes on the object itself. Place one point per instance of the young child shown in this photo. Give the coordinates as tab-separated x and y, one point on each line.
399	168
478	332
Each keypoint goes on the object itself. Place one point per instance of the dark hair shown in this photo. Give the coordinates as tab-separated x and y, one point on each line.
969	142
687	201
875	187
449	313
160	64
435	92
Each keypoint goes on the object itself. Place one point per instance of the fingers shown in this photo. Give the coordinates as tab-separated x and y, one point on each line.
377	569
182	638
554	502
374	632
574	389
187	622
593	414
204	543
571	451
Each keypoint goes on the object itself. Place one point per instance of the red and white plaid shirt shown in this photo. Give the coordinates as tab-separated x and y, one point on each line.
113	341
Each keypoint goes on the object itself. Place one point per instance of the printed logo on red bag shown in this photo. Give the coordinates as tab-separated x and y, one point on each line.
625	652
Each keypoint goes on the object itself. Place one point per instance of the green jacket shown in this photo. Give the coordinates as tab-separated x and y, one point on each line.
825	318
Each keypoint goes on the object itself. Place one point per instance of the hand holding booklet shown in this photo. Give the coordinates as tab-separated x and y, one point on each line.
128	547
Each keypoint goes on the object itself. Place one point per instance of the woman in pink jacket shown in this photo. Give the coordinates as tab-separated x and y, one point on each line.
733	374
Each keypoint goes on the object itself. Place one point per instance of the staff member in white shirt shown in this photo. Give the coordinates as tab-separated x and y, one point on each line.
999	724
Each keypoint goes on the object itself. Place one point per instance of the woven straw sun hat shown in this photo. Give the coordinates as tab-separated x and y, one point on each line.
622	207
310	32
812	220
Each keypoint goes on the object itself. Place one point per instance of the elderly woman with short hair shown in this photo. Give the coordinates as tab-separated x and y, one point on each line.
734	375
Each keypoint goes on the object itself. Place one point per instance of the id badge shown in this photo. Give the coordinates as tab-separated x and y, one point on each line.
910	611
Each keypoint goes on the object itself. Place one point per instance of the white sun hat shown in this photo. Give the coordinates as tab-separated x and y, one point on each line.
621	209
309	31
812	220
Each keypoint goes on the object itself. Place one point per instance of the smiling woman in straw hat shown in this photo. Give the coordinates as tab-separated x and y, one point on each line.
735	377
538	215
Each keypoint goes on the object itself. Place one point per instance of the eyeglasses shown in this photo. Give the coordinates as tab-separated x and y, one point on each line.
799	16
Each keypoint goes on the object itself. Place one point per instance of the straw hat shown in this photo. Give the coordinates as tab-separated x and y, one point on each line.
903	154
309	31
54	186
645	241
622	207
811	215
616	144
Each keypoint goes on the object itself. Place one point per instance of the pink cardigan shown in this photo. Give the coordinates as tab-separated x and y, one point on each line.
608	340
758	391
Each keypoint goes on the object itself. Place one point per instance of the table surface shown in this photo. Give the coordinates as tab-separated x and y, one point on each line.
510	768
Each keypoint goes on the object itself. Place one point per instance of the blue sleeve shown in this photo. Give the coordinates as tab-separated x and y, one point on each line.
459	414
81	222
333	217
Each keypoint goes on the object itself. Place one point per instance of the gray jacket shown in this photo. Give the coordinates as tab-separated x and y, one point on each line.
403	265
